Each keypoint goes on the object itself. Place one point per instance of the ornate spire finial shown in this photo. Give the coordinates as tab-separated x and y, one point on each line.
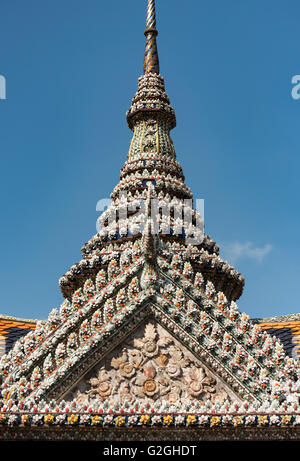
151	96
151	62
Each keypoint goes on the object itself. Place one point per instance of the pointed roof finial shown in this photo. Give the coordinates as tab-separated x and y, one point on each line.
151	62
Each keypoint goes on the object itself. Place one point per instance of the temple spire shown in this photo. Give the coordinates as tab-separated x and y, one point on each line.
151	62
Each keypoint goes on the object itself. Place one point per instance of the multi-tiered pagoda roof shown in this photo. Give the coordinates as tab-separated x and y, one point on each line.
149	335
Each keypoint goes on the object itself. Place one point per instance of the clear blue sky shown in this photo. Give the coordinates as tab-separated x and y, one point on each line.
71	69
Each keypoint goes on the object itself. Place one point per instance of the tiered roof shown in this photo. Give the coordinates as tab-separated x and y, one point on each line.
149	333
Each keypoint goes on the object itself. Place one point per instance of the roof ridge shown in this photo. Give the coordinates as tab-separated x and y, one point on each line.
18	319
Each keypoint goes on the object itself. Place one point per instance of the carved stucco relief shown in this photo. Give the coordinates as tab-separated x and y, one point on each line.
153	366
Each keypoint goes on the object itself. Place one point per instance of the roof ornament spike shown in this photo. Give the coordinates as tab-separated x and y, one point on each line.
149	234
150	243
151	61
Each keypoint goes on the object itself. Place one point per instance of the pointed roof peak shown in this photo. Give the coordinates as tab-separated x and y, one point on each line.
151	95
151	61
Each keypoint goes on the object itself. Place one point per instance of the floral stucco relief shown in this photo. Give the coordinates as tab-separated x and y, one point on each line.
151	367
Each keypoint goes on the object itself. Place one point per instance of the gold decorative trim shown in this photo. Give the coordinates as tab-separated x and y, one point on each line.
130	148
142	138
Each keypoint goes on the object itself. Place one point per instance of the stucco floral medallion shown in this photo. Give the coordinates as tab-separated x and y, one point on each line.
152	366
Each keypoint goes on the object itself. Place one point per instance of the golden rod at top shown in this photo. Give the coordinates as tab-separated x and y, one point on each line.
151	62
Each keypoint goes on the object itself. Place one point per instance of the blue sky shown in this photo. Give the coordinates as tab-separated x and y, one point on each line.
71	69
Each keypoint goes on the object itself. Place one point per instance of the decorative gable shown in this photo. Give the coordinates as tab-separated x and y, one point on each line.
150	366
84	350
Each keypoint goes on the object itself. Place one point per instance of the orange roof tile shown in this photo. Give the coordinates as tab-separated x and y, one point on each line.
293	326
6	324
11	329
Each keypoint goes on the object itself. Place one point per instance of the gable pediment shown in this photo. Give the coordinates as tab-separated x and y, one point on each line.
151	366
225	351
